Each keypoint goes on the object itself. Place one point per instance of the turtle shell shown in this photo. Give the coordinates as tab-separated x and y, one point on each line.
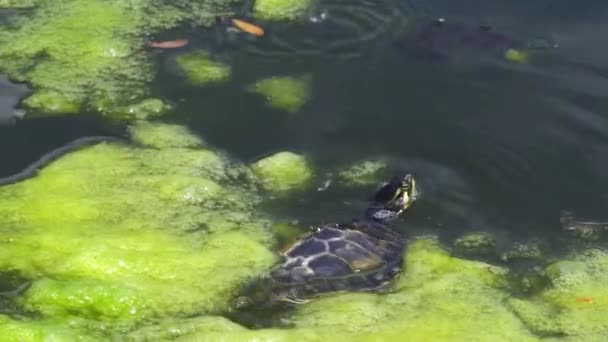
360	256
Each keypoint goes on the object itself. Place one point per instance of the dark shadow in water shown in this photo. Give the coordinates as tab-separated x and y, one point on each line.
25	141
525	141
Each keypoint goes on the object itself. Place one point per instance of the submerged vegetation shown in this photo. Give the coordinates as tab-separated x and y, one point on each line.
200	69
88	54
289	93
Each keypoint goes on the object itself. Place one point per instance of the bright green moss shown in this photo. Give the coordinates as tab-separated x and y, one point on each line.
200	69
281	9
283	171
86	54
286	93
120	234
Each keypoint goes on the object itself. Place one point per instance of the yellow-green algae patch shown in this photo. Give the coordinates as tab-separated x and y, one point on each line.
163	135
120	233
283	171
17	3
281	9
200	69
86	54
365	172
289	93
437	298
53	329
576	303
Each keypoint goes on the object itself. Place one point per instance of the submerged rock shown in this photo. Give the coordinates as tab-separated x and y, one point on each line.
283	171
286	93
117	233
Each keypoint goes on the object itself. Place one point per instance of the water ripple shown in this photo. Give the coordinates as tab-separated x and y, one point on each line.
339	30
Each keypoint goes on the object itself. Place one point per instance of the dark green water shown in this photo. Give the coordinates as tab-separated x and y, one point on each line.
496	145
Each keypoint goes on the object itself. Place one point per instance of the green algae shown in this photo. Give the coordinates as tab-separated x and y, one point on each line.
145	109
200	69
517	56
289	93
86	54
51	102
163	135
62	329
437	298
17	3
575	304
281	9
476	243
362	173
283	171
116	233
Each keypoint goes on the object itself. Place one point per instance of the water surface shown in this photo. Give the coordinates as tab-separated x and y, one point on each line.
496	145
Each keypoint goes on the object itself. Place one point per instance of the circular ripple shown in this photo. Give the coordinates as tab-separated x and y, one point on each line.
339	29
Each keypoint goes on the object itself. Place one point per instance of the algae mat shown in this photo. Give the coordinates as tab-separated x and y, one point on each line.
151	241
87	54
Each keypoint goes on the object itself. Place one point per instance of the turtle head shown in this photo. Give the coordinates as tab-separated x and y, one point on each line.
393	198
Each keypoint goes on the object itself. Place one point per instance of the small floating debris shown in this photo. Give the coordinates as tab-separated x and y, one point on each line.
170	44
587	300
248	27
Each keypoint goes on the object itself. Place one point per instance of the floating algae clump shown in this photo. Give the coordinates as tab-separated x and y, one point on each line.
283	171
84	54
118	234
516	56
163	135
201	69
286	93
366	172
437	298
575	304
281	9
476	243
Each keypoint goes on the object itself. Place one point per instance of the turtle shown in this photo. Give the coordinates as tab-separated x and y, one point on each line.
362	255
435	40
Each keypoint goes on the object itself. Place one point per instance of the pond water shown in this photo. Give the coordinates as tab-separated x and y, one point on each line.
496	145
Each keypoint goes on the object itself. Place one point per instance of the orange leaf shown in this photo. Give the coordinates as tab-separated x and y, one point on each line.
170	44
248	27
